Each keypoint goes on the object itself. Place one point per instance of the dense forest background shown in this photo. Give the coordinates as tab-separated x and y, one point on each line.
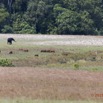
84	17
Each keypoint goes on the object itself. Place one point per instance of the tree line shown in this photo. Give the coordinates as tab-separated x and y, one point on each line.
83	17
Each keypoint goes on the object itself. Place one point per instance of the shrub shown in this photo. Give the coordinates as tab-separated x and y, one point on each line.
5	62
94	69
76	66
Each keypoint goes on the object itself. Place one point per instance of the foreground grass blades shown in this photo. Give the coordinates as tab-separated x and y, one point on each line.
24	100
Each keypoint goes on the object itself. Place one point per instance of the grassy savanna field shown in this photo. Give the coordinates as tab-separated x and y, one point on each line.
52	69
75	52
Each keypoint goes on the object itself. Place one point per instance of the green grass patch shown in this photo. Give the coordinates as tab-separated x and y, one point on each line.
6	63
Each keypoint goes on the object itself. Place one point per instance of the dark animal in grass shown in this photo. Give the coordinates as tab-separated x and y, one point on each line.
26	50
36	55
21	50
9	40
10	52
48	50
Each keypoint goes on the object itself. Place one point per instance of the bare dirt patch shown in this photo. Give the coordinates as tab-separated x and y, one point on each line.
40	83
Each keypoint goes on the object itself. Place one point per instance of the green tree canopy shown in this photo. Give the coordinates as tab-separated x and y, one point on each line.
52	16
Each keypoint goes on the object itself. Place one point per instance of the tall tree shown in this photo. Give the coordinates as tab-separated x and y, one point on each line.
3	16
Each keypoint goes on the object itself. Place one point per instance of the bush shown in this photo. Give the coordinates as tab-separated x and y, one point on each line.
5	62
76	66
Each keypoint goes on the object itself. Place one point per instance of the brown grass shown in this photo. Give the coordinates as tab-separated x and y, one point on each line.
40	83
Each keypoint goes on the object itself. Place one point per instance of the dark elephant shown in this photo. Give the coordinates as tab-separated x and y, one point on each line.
9	40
